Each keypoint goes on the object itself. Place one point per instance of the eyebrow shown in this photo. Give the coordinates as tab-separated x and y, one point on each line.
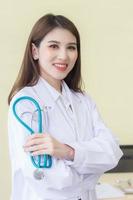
57	42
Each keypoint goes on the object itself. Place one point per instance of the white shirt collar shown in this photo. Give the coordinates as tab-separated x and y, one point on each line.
48	95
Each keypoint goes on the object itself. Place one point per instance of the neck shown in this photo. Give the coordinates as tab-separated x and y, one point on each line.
53	82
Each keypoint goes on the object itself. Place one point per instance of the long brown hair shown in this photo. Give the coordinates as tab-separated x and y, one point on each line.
29	72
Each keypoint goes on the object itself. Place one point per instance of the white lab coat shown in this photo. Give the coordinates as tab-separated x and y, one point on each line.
72	118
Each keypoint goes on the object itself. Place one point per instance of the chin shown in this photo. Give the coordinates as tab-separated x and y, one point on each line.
60	77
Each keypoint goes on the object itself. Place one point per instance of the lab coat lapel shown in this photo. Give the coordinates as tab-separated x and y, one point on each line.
75	102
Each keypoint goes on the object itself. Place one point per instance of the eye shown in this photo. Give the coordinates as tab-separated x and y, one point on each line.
54	46
72	47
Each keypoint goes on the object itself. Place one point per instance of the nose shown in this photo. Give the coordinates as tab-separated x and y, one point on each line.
62	54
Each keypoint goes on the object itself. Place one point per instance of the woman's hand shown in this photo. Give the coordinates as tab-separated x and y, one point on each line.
39	144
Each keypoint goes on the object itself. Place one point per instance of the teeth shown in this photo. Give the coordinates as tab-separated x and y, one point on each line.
60	65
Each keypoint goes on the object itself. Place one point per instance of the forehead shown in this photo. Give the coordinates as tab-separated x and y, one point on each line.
61	35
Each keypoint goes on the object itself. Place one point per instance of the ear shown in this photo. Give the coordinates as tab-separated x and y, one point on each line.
34	52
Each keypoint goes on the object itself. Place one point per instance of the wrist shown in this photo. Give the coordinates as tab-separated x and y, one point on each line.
69	152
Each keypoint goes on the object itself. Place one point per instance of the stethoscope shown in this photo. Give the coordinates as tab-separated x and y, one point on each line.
42	161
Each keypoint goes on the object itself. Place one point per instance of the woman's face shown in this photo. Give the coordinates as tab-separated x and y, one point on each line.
56	54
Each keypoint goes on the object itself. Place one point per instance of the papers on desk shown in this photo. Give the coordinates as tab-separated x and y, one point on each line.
105	191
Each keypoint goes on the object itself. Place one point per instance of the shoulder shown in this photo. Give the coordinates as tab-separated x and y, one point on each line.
26	91
21	106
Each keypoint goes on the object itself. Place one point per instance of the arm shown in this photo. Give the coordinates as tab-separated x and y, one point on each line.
101	152
17	136
21	162
44	143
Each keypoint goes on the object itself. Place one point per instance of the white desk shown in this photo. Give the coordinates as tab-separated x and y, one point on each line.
112	178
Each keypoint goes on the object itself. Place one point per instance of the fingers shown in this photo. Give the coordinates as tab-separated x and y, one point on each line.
33	142
39	144
36	135
36	139
35	148
42	152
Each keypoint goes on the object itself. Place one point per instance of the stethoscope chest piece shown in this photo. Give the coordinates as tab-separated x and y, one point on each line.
38	174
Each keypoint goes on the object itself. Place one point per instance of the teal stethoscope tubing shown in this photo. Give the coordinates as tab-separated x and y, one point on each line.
47	160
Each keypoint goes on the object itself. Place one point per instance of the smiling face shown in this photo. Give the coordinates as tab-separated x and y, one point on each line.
56	55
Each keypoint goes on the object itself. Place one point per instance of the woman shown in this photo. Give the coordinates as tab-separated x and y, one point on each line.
81	146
